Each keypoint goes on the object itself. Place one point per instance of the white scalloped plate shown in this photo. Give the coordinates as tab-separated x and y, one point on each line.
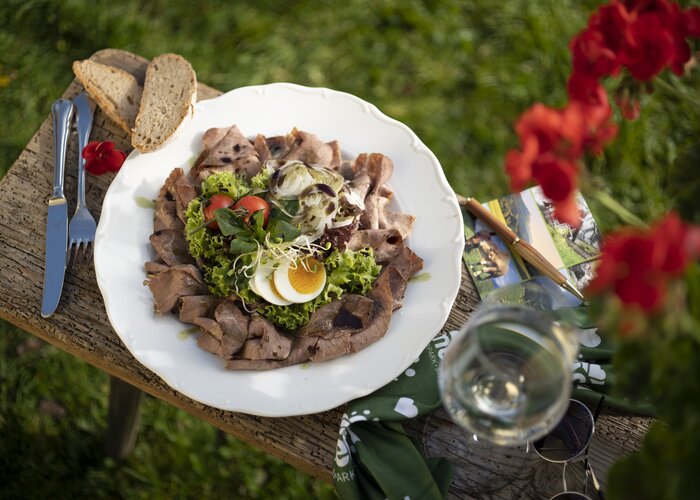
122	246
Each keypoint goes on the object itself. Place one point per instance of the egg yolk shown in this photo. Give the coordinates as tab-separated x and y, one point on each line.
308	277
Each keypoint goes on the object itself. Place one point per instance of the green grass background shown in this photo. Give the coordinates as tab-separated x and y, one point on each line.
457	72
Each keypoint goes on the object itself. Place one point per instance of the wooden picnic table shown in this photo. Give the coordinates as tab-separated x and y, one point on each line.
80	325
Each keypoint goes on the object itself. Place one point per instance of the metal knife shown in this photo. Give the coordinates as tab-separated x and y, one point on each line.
57	222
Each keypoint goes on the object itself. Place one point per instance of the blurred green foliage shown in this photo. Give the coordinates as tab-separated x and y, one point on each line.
458	73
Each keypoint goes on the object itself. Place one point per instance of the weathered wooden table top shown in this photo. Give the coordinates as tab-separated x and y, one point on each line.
80	325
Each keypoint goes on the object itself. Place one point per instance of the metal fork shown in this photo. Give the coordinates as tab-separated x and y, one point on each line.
82	226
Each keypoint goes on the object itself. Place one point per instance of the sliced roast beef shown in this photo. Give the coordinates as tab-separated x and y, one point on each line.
376	326
184	192
312	150
402	222
234	327
374	208
377	166
209	343
212	136
166	207
279	146
347	169
166	190
264	341
210	327
170	284
377	215
406	263
261	147
359	186
232	151
171	246
155	266
332	348
381	313
197	306
337	157
166	216
349	313
301	351
387	243
385	192
178	189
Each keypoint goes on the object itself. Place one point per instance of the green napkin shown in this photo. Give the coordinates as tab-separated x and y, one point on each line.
375	458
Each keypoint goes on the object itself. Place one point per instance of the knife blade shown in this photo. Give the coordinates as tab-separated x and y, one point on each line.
57	221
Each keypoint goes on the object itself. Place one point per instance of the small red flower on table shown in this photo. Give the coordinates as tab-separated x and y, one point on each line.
102	157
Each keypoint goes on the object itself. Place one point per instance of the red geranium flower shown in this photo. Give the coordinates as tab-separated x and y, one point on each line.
613	21
545	126
691	22
552	142
679	250
651	50
591	55
102	157
638	264
630	266
590	107
558	180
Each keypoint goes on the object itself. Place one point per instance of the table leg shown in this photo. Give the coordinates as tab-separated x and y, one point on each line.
122	418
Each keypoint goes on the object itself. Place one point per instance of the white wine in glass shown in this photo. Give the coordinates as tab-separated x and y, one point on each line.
506	377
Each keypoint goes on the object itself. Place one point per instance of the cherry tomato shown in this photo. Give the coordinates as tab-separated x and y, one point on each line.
216	202
252	204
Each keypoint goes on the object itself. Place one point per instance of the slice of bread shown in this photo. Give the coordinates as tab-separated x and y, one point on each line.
169	93
114	90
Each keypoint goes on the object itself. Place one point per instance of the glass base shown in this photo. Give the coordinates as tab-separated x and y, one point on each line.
550	479
478	466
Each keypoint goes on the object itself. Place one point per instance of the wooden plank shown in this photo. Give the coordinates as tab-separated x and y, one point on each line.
80	325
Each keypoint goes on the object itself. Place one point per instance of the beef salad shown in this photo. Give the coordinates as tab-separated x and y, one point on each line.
279	251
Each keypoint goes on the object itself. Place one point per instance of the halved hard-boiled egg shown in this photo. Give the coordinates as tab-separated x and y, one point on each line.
263	284
301	280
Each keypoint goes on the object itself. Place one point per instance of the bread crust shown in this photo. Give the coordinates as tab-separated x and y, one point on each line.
153	94
103	99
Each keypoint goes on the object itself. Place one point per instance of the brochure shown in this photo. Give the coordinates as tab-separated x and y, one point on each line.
492	264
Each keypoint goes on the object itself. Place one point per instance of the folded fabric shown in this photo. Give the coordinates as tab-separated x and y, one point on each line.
375	458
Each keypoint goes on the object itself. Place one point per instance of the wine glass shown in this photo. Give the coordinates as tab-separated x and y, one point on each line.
506	376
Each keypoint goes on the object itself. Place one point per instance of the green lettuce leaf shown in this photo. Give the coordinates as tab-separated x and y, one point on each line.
261	180
203	244
226	183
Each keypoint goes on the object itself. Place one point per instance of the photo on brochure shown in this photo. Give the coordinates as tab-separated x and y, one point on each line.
492	264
